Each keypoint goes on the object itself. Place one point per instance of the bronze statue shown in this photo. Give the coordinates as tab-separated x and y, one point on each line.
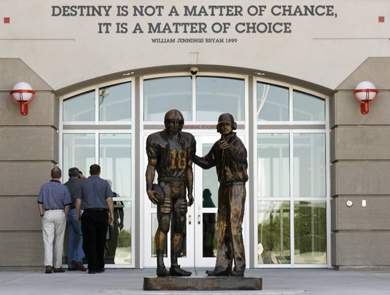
229	155
170	153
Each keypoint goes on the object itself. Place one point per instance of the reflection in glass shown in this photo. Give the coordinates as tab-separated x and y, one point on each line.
209	230
115	161
210	183
78	151
162	94
80	107
273	165
216	95
309	165
115	103
310	232
118	247
308	107
273	226
272	102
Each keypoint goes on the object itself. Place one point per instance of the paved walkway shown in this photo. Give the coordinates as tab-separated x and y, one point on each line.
276	281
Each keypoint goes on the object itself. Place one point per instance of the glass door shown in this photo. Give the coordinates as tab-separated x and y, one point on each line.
206	207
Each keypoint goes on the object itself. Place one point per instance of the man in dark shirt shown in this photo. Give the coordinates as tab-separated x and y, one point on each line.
170	154
53	204
96	199
229	155
75	253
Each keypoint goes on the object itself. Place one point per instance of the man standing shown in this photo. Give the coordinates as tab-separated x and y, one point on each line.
53	204
96	199
229	155
75	242
170	154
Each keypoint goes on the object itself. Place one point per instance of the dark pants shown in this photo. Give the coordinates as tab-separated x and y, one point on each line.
94	227
230	245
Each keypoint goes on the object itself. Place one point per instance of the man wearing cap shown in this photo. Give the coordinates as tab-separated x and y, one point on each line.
75	253
53	204
170	153
229	155
98	212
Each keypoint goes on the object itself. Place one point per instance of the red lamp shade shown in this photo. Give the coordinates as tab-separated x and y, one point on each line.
365	92
23	94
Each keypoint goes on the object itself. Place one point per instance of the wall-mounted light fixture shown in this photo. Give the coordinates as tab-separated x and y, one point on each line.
364	93
23	93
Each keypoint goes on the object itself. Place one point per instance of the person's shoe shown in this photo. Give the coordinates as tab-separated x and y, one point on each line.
91	271
59	269
218	272
237	273
72	266
48	269
100	270
177	271
79	266
161	271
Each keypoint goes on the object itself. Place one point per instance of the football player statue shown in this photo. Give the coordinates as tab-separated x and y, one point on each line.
229	156
170	153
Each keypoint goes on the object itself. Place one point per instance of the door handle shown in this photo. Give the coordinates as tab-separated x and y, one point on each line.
189	219
198	218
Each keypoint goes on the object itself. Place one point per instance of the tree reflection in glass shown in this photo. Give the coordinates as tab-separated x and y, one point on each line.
310	232
273	227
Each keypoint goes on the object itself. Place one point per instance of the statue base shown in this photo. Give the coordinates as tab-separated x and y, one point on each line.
203	283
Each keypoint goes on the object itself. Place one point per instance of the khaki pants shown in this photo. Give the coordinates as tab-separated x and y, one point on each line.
230	244
53	230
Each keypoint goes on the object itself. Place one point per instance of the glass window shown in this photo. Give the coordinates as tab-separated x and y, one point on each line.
310	232
272	102
309	165
118	247
163	94
209	235
219	95
273	165
294	159
210	183
115	161
115	103
308	107
273	227
80	107
78	151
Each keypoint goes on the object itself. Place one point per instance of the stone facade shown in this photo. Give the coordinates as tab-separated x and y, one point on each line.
28	150
361	170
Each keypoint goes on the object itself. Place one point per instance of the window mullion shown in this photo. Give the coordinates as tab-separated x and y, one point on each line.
193	98
290	104
96	105
97	151
292	205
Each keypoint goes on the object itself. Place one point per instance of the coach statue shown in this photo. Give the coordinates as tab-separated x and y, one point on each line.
229	156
